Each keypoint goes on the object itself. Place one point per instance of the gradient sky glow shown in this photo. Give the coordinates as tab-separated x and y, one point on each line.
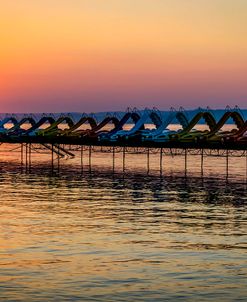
100	55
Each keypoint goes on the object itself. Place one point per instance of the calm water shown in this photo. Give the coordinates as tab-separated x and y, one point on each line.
122	237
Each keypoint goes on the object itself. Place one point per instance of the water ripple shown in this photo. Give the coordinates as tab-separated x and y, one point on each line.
104	237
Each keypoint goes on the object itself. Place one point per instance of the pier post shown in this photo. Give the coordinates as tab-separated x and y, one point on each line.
124	159
30	157
58	159
52	158
202	161
90	158
227	164
161	161
81	158
185	162
148	165
21	155
26	159
113	159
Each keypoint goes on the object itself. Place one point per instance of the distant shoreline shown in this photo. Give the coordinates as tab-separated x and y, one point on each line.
100	115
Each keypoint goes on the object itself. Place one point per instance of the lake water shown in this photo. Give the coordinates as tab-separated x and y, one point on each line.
102	236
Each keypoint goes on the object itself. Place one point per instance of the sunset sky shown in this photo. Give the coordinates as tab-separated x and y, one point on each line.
101	55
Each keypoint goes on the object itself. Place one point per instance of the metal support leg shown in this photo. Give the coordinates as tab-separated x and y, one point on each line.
227	164
161	161
113	159
30	157
26	159
21	155
202	161
90	158
52	158
81	159
185	162
148	164
58	161
124	159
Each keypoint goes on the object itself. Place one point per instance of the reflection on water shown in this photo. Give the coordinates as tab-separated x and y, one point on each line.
131	237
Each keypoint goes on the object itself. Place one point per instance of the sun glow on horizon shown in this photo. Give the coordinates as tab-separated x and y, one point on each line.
98	55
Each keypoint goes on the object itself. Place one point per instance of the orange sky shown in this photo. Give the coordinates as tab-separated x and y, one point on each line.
94	55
